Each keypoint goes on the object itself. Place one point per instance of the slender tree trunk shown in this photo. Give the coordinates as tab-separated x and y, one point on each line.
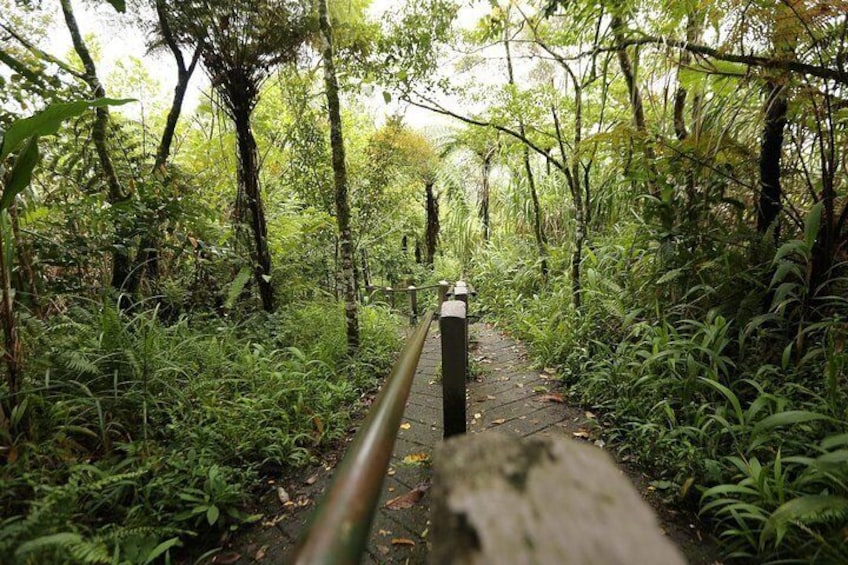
148	261
24	254
366	274
120	258
12	353
484	197
680	131
248	172
431	236
637	108
579	216
538	228
339	176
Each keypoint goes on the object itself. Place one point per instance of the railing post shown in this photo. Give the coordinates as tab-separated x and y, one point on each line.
413	305
390	297
454	330
460	292
444	288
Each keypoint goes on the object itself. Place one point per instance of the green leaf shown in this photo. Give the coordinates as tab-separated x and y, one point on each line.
21	174
834	441
387	96
788	418
160	549
119	5
47	121
212	514
236	287
811	225
805	510
63	538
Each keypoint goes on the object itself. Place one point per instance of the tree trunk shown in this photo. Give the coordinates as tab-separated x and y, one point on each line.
637	108
431	237
484	197
120	257
24	254
771	147
538	229
340	177
769	203
147	262
12	345
248	174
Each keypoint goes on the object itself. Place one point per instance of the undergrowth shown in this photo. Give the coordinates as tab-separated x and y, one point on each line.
133	436
734	393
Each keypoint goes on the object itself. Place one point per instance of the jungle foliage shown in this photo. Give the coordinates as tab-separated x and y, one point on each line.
652	194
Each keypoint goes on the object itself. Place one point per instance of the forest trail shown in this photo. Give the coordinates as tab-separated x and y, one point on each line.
505	393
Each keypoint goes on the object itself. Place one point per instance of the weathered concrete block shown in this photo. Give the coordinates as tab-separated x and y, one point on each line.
501	499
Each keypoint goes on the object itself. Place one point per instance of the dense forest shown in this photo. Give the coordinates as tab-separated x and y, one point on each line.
650	194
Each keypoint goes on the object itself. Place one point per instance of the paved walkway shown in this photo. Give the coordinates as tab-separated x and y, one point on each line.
504	393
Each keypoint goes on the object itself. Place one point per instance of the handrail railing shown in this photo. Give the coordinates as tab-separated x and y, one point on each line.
412	291
339	528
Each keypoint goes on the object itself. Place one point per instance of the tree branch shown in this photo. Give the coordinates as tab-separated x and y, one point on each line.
434	107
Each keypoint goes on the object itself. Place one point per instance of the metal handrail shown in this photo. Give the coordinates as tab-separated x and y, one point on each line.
338	530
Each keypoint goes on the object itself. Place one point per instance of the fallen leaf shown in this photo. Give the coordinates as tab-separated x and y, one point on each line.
552	397
600	443
477	416
226	558
549	370
590	415
391	472
403	541
540	389
383	549
405	426
319	425
312	480
490	397
260	554
425	533
498	422
409	499
283	495
391	489
384	533
274	521
581	433
416	458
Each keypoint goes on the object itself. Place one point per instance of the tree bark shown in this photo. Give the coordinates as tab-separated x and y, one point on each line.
120	256
12	353
484	196
637	108
431	236
771	148
769	203
248	173
339	177
147	262
538	228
